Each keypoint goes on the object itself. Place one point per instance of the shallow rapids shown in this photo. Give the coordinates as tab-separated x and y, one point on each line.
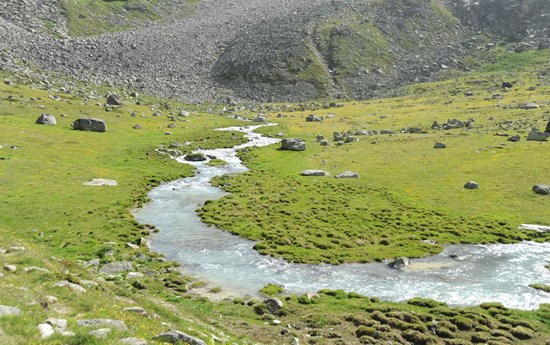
475	274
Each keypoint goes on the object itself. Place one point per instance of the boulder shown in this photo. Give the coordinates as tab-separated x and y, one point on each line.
72	286
177	337
347	174
514	138
46	119
541	189
414	130
9	311
314	173
113	100
116	267
196	157
547	130
91	125
107	323
538	136
387	131
471	185
132	341
293	144
439	145
101	333
400	263
45	330
273	304
529	106
313	118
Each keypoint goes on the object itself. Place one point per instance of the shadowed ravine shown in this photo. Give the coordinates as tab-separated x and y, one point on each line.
478	273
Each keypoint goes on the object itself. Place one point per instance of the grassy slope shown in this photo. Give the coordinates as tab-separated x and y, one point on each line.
408	191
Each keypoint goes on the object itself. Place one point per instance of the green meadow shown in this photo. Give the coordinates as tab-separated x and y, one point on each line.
408	201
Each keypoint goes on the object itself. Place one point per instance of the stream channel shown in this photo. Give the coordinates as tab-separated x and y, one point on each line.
475	274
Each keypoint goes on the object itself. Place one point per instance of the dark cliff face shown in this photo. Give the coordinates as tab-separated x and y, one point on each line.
512	19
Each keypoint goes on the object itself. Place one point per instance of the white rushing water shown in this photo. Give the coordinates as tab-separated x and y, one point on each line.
477	274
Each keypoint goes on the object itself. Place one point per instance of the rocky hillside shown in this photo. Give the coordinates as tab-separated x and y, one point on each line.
262	49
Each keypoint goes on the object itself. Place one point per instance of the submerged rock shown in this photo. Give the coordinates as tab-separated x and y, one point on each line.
196	157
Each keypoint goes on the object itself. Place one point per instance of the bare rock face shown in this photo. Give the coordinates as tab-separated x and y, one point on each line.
90	125
46	119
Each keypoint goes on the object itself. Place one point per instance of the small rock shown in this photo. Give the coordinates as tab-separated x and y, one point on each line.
176	337
9	311
144	242
99	182
400	263
101	333
529	106
116	267
74	287
133	275
273	304
68	334
136	127
196	157
314	173
131	245
34	268
313	118
93	262
114	100
514	138
10	268
46	119
347	174
439	145
88	283
541	189
471	185
108	323
16	249
46	330
59	324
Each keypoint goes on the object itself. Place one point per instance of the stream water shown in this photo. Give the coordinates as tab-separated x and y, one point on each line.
475	274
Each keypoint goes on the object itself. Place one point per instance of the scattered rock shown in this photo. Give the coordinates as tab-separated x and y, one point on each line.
116	267
439	145
108	323
101	333
273	304
293	144
506	85
88	283
196	157
133	275
34	268
74	287
91	125
471	185
529	106
347	174
538	136
514	138
400	263
10	268
176	337
131	245
93	262
314	173
99	182
58	324
46	119
387	131
46	330
313	118
9	311
542	189
144	243
114	100
136	127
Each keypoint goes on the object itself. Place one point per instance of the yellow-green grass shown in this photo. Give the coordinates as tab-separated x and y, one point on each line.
61	223
409	193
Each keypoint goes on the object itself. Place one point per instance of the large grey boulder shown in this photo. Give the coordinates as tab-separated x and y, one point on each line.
471	185
314	173
105	323
293	144
347	174
9	311
313	118
46	119
541	189
273	304
91	125
514	138
177	337
538	136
